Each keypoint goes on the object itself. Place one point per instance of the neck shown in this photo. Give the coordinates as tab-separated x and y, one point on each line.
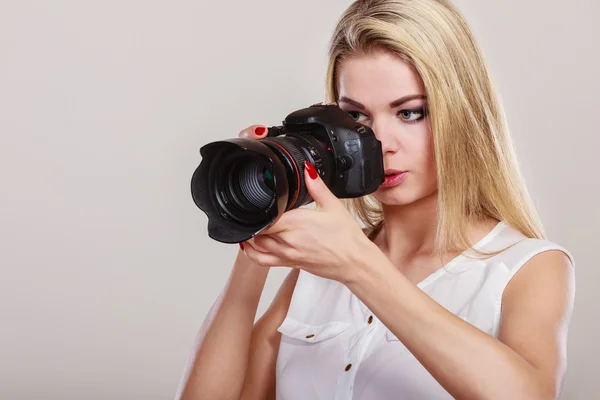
409	230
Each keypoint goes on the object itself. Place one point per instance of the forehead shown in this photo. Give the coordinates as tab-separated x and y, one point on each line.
377	79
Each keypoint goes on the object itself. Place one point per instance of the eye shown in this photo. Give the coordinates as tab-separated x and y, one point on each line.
413	115
355	115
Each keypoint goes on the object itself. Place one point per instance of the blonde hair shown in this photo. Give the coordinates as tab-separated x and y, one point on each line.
477	168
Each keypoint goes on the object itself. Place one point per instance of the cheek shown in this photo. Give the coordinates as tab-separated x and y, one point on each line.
421	146
425	160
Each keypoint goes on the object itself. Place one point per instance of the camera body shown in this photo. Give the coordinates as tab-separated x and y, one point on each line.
357	167
244	185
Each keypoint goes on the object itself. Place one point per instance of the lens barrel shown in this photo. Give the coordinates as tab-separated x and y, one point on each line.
243	185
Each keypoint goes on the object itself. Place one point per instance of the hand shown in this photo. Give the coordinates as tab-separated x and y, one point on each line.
326	241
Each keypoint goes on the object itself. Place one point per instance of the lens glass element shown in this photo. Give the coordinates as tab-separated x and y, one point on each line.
246	188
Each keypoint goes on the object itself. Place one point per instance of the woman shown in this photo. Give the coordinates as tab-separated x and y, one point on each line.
451	291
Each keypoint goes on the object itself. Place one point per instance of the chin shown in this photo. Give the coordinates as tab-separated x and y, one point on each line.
399	196
395	200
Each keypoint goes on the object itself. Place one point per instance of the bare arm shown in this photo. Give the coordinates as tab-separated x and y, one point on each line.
536	312
264	346
227	342
528	360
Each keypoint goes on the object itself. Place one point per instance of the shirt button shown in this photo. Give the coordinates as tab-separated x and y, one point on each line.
370	319
310	336
348	367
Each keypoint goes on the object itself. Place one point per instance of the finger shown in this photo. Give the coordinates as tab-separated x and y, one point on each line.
280	225
254	132
257	246
274	229
274	246
261	258
317	188
289	221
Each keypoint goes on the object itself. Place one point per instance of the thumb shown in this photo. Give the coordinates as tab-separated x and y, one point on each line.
317	189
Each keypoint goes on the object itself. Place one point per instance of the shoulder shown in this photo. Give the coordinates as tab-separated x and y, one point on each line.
540	290
541	268
535	263
529	270
517	252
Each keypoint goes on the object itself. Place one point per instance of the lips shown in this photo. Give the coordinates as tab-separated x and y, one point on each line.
393	177
390	172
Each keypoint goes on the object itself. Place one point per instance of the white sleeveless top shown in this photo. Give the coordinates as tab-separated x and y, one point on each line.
327	327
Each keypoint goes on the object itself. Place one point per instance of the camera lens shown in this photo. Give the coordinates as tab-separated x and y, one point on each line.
251	185
294	150
246	188
243	184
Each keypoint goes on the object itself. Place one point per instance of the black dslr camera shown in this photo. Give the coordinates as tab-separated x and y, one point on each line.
244	185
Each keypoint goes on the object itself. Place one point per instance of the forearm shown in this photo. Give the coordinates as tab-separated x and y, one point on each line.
218	366
467	362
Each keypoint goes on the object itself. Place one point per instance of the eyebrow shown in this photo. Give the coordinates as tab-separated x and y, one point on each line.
393	104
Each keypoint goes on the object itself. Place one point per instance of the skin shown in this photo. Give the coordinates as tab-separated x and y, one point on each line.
527	361
405	133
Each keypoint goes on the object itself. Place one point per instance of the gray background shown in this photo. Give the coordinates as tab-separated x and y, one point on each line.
107	270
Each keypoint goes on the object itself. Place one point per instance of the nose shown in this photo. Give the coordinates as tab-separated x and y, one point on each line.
384	132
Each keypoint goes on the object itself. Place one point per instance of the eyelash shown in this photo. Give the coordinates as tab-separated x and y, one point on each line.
418	110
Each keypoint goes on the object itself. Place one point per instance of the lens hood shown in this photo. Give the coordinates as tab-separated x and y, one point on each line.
222	226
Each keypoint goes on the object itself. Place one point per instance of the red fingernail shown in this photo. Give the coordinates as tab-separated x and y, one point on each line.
312	172
242	246
260	130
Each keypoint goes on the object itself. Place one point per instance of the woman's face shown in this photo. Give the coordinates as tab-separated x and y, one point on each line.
387	94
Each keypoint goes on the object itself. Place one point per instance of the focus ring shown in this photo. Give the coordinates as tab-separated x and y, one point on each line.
292	145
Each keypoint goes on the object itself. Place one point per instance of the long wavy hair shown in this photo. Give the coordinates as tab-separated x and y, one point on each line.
477	168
